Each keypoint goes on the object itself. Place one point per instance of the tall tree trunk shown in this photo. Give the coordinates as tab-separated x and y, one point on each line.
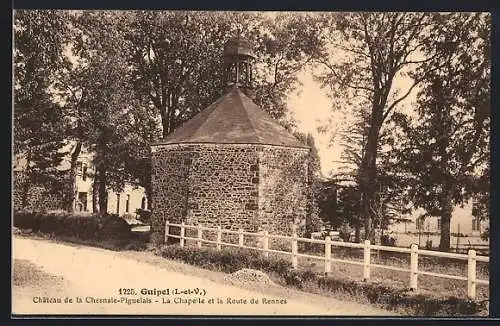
70	204
357	232
165	127
368	180
447	210
26	182
95	196
368	172
101	180
367	217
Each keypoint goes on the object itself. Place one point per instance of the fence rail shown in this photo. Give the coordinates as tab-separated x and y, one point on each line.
413	251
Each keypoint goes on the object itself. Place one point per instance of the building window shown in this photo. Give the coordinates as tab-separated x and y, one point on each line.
439	224
84	172
143	203
118	204
82	202
476	224
420	223
127	203
79	167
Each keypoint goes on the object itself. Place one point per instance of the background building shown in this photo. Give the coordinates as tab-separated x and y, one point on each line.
125	202
462	221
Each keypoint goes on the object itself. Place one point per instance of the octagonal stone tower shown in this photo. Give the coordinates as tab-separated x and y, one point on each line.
232	165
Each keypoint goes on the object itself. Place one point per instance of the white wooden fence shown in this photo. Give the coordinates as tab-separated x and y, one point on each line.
414	252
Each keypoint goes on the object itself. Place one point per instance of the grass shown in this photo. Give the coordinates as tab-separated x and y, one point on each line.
135	244
338	284
435	287
26	273
279	290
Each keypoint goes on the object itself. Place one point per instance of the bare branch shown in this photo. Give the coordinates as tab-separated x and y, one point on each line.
416	82
340	79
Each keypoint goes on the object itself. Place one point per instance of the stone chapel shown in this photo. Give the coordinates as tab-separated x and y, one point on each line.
231	165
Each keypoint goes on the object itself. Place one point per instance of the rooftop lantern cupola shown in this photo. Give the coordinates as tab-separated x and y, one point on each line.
238	60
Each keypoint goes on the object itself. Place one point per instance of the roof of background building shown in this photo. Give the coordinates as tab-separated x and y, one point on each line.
233	119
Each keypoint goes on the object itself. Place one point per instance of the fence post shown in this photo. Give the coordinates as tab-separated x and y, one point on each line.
183	230
366	261
167	230
471	275
294	248
328	255
200	235
240	237
219	237
414	267
265	244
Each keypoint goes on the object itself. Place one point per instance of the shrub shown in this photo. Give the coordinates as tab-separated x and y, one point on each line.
88	226
114	227
299	278
387	240
24	220
227	260
485	236
144	215
400	299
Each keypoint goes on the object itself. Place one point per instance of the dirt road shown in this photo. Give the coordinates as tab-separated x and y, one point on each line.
95	276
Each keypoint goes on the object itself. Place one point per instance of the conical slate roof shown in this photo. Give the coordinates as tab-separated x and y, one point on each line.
232	119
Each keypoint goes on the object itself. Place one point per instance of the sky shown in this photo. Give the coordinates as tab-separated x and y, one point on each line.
310	107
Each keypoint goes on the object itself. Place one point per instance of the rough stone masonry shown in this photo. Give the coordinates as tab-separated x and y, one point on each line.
248	186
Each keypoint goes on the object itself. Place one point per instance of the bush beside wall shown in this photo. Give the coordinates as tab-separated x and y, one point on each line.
81	226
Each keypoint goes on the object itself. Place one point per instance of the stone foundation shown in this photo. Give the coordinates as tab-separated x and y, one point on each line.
234	186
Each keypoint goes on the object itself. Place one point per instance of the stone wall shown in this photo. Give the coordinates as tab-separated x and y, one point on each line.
169	186
229	185
283	189
208	184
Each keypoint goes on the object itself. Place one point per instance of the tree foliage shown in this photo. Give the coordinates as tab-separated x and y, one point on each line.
176	58
445	154
370	52
39	122
110	120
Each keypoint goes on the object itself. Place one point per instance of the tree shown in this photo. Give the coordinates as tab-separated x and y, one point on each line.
175	62
445	154
39	123
481	198
353	141
285	44
347	210
177	58
327	201
370	52
386	207
111	120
